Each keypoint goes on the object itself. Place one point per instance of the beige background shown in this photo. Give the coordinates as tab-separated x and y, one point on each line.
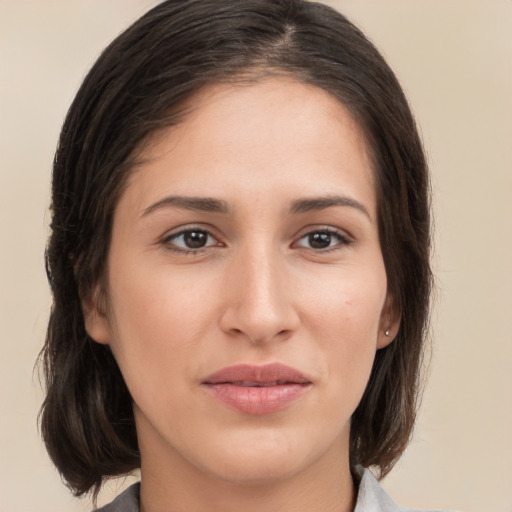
454	60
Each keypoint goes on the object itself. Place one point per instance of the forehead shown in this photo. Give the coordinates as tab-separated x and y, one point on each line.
262	102
271	133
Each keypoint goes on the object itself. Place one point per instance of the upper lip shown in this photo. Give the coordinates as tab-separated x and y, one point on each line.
273	373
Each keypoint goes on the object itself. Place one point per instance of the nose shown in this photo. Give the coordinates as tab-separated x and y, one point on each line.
259	299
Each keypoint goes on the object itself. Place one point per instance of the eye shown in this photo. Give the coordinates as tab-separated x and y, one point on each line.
190	240
323	239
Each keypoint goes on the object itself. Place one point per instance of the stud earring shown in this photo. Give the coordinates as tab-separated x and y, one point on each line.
387	332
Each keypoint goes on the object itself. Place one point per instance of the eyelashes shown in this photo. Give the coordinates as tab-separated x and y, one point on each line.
323	239
198	240
191	241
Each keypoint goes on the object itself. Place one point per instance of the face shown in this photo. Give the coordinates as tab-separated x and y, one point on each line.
246	285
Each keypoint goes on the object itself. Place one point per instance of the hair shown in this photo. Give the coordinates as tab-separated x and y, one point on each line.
139	85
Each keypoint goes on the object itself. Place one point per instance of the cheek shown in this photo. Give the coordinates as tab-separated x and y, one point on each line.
158	321
154	298
350	307
345	320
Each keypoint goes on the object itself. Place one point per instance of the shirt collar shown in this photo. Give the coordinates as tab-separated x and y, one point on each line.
371	497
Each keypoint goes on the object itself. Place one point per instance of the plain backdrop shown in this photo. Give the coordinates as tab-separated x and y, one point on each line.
454	60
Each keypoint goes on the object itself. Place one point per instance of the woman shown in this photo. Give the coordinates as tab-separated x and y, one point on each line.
239	261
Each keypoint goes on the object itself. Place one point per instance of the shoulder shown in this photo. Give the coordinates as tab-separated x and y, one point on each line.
372	497
127	501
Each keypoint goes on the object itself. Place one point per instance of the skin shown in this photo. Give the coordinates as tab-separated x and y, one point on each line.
259	291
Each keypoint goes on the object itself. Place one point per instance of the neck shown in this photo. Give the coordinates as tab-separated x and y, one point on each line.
325	485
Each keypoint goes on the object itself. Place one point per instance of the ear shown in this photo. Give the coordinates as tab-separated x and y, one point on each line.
389	323
95	317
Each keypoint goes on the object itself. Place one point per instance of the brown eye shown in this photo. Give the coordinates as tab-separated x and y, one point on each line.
195	239
323	239
319	240
190	239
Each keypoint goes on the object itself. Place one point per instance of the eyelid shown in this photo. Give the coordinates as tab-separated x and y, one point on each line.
345	238
169	236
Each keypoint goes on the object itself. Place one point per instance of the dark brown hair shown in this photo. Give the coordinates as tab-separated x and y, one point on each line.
138	86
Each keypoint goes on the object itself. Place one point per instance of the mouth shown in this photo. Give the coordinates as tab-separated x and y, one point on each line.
257	390
252	384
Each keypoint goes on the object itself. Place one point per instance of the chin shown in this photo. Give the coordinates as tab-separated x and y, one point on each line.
264	458
258	470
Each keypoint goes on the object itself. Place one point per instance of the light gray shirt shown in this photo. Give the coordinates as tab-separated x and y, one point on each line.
371	497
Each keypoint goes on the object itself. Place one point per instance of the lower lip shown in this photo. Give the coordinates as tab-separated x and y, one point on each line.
257	400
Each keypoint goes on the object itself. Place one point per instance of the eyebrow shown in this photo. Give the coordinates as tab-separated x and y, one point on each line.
314	204
198	204
210	204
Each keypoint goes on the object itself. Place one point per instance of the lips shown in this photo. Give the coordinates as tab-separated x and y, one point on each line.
255	389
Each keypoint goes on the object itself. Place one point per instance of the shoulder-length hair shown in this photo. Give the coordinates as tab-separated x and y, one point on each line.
139	85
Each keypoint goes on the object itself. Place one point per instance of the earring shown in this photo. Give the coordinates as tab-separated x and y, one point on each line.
387	332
